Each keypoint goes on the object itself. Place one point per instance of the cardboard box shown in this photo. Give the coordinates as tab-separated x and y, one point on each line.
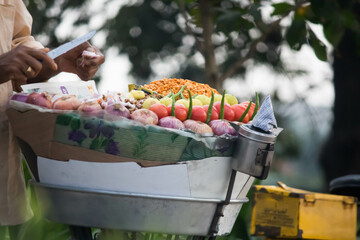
56	163
207	178
37	130
149	145
288	213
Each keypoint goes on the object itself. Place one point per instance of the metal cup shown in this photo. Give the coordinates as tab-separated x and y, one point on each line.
253	152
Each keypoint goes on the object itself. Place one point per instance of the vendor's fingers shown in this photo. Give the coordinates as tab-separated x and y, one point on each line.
85	72
94	50
77	51
46	50
28	71
22	51
92	61
87	63
41	56
32	67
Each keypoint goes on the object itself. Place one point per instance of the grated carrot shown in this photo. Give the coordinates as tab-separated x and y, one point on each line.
164	86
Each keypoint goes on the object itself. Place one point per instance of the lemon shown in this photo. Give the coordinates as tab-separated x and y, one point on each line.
197	102
231	99
166	101
205	100
150	101
137	94
183	102
217	98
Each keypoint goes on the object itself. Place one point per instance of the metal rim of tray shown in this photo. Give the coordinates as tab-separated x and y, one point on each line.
131	194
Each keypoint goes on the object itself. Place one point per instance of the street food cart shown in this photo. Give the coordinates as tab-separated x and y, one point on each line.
183	184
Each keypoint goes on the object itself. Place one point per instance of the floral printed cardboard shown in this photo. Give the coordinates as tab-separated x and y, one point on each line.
127	138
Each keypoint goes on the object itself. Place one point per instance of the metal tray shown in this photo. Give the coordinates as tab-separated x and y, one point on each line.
133	211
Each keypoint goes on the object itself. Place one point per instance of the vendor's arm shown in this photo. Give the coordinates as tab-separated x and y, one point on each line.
74	61
15	64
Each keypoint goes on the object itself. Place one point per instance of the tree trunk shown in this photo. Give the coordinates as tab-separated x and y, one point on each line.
211	69
341	155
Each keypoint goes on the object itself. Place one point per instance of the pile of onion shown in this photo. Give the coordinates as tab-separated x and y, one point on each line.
91	109
40	99
66	102
116	111
145	116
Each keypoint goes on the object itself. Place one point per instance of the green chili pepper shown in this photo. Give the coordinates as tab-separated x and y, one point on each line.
195	95
246	112
222	106
182	96
180	92
173	106
256	106
210	107
170	94
190	105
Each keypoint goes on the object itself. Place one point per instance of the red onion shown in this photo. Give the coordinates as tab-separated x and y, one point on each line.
221	127
145	116
90	109
20	97
87	54
116	111
198	127
40	99
67	102
171	122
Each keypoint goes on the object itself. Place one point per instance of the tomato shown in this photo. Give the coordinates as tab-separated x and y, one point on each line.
177	105
228	111
252	108
217	106
214	112
159	109
239	109
180	111
198	114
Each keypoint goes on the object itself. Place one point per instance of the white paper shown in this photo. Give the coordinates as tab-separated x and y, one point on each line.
125	177
82	89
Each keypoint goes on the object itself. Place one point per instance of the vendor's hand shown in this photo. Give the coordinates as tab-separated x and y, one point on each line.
22	63
84	65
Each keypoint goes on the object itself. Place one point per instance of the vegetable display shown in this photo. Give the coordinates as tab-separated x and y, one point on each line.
172	121
222	126
168	103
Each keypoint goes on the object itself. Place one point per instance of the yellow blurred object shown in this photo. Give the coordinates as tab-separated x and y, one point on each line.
231	99
150	101
141	88
184	102
218	97
205	100
137	94
283	212
196	102
166	101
